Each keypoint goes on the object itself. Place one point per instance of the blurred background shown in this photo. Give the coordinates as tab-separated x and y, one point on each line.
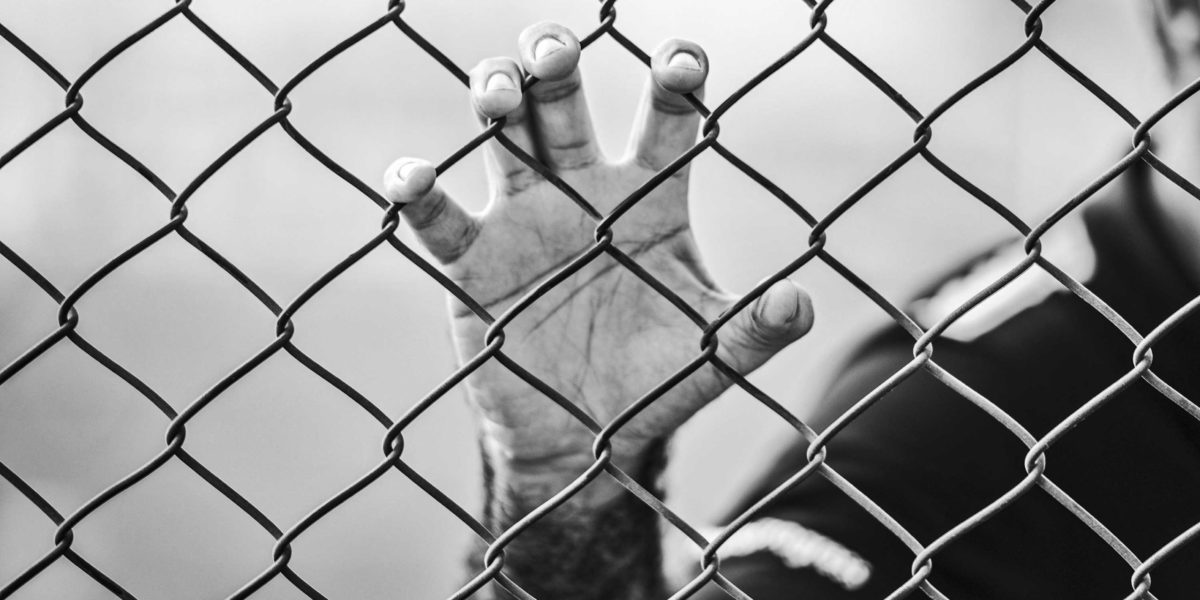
288	441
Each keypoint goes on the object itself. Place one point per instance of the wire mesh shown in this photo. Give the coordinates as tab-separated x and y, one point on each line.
393	442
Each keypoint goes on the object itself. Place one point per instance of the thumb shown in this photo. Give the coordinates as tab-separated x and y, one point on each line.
779	317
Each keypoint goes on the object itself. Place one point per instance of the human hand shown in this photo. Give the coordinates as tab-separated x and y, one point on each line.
602	337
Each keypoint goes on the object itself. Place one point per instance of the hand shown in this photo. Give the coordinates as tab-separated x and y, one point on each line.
602	338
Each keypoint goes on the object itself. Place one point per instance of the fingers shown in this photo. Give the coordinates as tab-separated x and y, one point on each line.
554	123
565	138
666	123
495	93
777	318
440	223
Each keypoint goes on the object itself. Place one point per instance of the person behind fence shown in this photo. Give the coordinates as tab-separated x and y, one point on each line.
928	457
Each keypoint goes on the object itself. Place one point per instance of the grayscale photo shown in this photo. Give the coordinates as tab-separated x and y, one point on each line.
599	299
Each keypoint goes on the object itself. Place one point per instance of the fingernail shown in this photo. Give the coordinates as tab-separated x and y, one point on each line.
546	46
405	170
499	81
684	60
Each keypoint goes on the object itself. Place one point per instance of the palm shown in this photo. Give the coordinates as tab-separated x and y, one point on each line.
603	337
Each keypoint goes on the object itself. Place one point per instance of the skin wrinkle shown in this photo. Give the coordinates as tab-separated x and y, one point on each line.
605	551
708	295
562	164
680	174
591	331
602	544
460	249
576	381
549	92
563	343
545	94
430	215
638	250
462	242
519	181
581	375
541	237
522	170
575	145
670	106
580	164
521	288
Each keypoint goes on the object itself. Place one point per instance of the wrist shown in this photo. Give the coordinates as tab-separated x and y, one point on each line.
589	548
532	477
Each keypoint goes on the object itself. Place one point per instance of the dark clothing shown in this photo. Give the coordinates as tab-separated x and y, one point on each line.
931	458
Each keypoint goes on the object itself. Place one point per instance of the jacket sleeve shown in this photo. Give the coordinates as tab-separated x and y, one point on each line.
922	453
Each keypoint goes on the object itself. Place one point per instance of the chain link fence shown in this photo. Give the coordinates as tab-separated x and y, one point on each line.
392	440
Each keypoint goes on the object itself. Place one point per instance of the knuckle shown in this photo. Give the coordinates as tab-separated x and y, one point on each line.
671	103
519	180
761	336
576	161
655	164
424	213
547	92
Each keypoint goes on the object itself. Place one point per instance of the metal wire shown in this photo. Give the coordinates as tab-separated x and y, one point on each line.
393	444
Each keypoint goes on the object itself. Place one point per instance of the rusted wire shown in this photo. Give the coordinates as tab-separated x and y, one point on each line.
393	444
